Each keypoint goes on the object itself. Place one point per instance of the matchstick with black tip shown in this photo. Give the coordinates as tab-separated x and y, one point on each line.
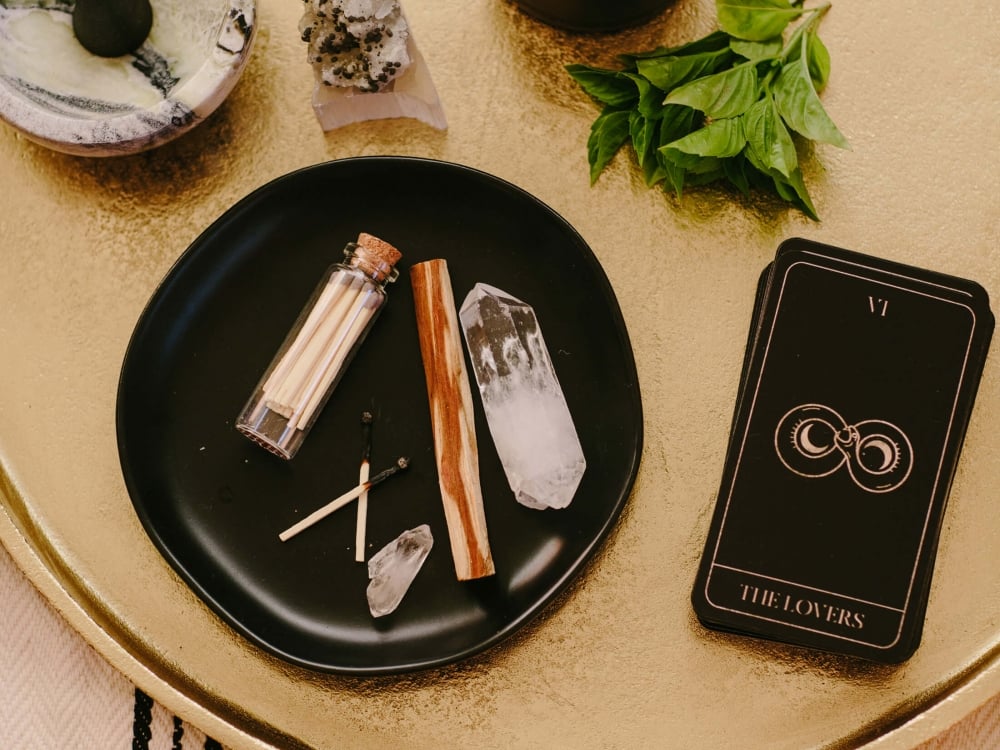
340	502
366	455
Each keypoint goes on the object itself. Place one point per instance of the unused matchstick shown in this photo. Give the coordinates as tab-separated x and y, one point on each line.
452	420
340	502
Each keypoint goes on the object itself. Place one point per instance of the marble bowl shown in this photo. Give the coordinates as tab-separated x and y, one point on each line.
59	95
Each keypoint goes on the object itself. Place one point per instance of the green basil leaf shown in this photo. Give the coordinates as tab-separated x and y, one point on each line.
668	72
799	105
818	60
675	178
755	20
677	121
735	170
653	172
706	176
641	135
791	189
645	139
607	134
769	144
720	95
703	152
757	50
720	138
694	165
794	191
715	41
650	103
609	87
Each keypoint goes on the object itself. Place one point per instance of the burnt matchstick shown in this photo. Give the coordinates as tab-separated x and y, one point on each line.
366	454
340	502
366	433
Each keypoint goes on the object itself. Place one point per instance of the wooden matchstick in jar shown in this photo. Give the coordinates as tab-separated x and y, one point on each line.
452	421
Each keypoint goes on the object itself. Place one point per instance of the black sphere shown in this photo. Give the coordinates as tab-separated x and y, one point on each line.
110	28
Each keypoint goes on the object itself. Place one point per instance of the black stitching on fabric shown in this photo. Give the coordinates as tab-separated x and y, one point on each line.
178	735
142	732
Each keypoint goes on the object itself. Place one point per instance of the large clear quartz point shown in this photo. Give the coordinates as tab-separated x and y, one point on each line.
393	568
524	403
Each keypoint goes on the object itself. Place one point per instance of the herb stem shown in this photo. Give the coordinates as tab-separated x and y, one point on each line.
806	26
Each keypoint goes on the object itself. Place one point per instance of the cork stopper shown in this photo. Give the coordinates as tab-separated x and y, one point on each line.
376	257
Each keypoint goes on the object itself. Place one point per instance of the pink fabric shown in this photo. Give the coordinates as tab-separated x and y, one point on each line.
56	691
980	730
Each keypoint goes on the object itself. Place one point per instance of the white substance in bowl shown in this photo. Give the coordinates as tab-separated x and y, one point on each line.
62	96
69	67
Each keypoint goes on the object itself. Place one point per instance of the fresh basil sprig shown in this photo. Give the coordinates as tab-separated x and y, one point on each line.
724	107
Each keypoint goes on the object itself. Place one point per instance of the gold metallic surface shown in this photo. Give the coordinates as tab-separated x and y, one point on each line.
619	661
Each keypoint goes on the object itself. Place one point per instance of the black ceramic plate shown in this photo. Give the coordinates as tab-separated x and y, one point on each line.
213	502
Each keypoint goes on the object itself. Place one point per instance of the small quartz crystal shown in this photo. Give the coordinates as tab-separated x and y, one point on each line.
525	408
393	568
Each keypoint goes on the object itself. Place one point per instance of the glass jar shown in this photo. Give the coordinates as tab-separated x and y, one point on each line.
322	342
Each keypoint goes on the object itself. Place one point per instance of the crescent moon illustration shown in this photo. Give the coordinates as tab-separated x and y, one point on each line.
806	442
886	451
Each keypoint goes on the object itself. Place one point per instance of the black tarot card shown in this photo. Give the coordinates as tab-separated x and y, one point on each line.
855	394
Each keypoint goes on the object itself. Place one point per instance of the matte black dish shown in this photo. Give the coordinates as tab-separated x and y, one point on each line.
213	502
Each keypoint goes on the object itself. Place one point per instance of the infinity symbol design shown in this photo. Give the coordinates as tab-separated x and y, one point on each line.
813	440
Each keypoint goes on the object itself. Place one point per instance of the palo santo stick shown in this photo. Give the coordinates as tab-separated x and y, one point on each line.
366	454
340	502
451	419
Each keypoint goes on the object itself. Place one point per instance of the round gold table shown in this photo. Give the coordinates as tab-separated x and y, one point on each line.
618	660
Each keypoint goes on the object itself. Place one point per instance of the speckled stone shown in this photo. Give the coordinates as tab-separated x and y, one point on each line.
409	91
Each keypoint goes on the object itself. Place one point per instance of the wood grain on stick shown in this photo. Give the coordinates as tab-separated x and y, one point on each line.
452	419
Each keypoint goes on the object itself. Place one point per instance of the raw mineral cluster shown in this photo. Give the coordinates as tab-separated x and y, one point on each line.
356	43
